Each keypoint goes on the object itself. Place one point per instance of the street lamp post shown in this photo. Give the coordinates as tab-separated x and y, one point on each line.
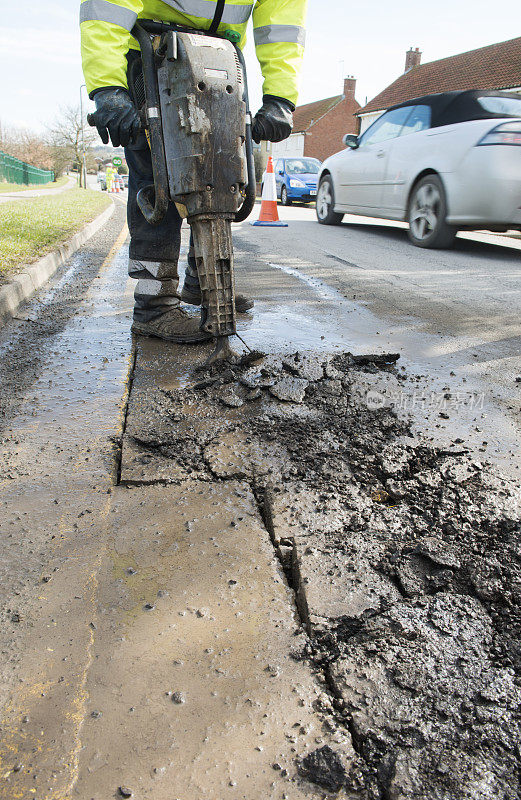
84	159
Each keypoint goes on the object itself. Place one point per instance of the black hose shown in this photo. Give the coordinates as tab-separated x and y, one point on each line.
217	17
251	187
153	200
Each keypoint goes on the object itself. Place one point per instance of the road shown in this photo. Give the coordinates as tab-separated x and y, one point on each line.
7	197
148	628
444	311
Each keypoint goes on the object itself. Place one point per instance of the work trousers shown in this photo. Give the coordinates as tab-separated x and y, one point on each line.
154	249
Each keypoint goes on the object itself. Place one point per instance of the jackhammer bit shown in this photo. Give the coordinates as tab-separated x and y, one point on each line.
214	259
199	128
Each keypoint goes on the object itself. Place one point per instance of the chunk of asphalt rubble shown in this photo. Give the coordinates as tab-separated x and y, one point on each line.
310	368
324	767
206	383
227	375
253	357
178	698
229	397
289	389
257	381
379	359
439	553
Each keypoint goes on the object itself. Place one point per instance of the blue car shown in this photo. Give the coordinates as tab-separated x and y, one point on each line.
296	179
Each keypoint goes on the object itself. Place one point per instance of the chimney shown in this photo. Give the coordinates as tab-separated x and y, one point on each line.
412	59
349	86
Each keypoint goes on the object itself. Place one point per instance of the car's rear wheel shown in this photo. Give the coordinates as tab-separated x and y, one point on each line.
284	199
325	203
427	215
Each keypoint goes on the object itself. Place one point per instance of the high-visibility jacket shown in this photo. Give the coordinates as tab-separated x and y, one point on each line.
278	29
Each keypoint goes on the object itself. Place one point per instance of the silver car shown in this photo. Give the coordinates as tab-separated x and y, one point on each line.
443	163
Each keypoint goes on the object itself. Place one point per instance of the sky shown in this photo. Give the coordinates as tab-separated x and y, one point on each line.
41	70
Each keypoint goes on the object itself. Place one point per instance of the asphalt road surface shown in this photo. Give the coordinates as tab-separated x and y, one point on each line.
445	311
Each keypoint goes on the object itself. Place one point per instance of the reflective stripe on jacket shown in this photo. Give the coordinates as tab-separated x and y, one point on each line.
278	28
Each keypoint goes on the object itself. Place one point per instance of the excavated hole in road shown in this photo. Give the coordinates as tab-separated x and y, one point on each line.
404	558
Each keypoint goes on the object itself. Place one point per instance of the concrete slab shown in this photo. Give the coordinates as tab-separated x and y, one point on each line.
192	690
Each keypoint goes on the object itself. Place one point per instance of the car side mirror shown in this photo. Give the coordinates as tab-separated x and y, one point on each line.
281	172
351	140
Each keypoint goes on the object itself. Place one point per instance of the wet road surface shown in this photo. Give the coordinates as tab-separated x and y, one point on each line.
100	630
6	197
452	315
146	633
63	373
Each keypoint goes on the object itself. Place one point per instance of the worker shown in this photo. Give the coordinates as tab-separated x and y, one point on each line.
108	177
109	54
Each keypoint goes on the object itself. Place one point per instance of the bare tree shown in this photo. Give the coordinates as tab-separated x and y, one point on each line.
26	145
68	134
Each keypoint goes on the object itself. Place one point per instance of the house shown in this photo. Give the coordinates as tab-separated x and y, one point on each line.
318	127
497	66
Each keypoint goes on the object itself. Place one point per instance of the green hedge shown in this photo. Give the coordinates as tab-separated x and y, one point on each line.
13	170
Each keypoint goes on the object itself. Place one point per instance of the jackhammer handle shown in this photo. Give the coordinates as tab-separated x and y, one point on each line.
249	200
152	200
91	119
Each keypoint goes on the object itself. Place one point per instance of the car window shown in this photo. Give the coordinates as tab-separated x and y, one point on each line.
509	106
279	165
388	126
418	120
302	166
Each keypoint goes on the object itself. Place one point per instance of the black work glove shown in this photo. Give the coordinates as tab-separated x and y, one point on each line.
273	122
116	115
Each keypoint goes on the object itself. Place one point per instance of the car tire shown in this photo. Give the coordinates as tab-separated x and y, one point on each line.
325	203
427	215
284	199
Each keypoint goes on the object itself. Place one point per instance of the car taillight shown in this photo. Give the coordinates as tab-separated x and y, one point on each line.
507	133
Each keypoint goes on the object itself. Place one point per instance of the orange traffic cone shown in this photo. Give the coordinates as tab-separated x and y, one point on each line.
269	215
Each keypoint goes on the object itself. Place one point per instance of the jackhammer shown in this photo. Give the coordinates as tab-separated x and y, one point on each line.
198	124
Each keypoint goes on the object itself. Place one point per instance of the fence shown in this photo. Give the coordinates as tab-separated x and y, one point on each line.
13	170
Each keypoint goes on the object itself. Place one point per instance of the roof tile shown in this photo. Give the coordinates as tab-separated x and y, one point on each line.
497	66
304	116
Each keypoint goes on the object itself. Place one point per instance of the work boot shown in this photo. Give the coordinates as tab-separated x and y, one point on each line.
157	310
174	325
191	292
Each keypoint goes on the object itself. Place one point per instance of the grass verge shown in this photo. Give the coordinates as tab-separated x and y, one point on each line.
31	228
17	187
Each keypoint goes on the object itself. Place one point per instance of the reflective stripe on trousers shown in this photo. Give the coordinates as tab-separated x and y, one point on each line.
157	246
154	249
